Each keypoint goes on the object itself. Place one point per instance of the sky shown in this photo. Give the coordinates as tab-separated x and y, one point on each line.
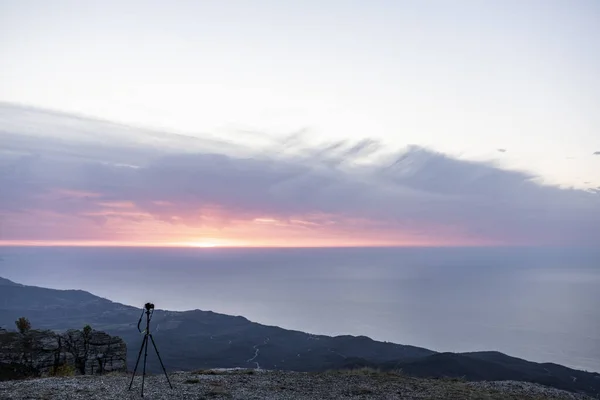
314	123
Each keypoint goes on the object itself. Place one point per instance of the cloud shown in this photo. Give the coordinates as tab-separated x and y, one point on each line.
101	184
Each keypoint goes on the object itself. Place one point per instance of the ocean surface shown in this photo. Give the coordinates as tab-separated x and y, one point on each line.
539	304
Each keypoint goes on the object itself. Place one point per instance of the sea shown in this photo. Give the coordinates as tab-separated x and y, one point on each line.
540	304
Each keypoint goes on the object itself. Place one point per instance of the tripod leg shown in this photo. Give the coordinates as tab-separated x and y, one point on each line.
161	363
145	356
138	361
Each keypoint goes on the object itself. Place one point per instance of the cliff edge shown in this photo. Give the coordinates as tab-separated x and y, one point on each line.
40	353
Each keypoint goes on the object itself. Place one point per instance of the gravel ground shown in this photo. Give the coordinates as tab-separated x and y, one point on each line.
272	385
516	388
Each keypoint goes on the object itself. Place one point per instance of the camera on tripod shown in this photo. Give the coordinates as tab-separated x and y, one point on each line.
149	311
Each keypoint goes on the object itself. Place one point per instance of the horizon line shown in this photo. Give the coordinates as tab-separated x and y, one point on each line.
7	244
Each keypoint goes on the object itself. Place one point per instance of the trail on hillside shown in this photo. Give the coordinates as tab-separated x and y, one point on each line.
256	352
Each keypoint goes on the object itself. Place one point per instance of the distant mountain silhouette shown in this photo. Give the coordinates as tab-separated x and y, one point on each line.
193	339
6	282
491	366
203	339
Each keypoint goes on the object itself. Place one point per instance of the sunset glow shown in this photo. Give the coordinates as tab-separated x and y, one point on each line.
244	234
70	216
95	221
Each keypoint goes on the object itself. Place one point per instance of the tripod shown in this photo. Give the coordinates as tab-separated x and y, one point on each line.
148	307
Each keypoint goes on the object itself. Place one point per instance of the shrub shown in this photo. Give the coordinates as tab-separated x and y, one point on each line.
205	372
13	371
63	370
23	325
359	371
87	331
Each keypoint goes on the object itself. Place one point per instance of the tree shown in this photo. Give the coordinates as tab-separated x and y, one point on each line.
75	344
23	325
87	331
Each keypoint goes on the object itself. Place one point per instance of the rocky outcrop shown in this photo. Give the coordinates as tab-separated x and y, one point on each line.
43	353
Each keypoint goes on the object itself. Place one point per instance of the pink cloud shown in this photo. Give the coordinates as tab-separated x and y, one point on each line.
112	193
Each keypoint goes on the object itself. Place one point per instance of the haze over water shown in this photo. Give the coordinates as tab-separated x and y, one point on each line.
535	303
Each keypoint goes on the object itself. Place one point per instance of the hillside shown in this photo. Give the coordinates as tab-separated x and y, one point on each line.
194	339
203	339
491	366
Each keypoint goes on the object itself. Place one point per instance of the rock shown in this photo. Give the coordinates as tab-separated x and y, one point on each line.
106	354
40	353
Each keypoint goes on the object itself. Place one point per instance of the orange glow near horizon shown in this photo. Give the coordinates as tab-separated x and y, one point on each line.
153	233
125	224
84	243
233	243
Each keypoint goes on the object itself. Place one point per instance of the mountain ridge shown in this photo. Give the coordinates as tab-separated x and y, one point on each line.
198	339
7	282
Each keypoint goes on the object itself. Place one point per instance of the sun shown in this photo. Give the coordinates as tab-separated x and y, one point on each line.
202	244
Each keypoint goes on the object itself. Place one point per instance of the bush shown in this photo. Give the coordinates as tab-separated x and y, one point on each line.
205	372
63	370
87	331
23	325
13	371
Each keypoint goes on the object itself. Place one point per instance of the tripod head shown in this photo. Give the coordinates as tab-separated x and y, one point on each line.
149	310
